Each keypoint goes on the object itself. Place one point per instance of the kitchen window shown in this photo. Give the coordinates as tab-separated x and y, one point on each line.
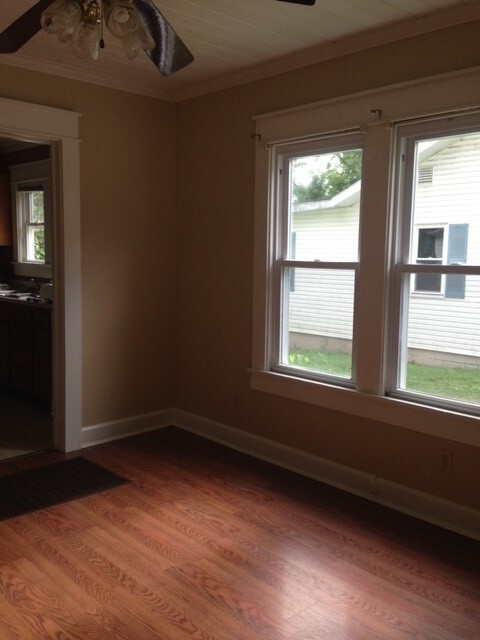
31	201
31	214
367	293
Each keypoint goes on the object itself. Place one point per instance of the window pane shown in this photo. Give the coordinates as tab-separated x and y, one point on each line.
318	320
31	204
440	334
442	347
36	244
447	204
37	207
428	282
324	206
430	243
31	210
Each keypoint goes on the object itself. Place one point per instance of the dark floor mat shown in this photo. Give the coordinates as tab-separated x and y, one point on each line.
52	484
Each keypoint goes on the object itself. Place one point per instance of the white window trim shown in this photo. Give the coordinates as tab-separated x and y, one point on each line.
406	134
374	112
281	156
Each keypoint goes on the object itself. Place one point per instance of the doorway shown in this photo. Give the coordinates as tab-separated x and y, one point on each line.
59	129
25	320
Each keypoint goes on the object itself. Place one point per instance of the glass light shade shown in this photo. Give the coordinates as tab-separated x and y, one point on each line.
62	18
86	41
148	43
79	22
132	45
122	19
123	22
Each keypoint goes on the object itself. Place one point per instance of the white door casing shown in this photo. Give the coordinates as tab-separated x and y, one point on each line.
60	129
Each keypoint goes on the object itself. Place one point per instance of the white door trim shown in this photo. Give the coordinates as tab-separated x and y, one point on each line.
59	129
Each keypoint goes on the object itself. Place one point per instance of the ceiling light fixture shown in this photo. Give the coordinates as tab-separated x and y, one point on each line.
80	23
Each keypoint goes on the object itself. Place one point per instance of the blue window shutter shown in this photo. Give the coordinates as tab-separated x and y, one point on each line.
457	254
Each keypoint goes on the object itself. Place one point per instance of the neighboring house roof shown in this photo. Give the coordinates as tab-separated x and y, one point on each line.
431	149
351	194
345	198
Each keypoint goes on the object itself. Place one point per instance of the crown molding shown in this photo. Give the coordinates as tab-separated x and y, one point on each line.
345	46
138	78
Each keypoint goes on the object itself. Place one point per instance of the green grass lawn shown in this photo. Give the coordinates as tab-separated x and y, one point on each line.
444	382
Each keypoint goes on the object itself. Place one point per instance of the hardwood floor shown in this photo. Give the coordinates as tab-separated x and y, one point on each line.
208	544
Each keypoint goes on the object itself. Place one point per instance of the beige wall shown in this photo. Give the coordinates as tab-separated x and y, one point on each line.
167	286
215	239
127	162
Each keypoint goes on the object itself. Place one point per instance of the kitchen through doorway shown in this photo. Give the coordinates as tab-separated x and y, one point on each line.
26	415
60	129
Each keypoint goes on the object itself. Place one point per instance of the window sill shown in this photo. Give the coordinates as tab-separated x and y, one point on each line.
32	270
407	415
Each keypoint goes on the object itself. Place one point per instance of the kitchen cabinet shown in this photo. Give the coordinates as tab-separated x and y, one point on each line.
41	354
20	348
25	349
5	211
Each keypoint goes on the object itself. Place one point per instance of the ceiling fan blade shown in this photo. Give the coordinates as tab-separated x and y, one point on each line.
170	54
24	28
310	3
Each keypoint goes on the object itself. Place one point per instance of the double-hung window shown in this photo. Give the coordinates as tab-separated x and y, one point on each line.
31	202
437	351
31	222
367	257
317	188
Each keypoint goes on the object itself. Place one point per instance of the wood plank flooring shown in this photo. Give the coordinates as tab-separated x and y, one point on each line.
208	544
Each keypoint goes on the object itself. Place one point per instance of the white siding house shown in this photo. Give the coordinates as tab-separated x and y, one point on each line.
444	311
321	303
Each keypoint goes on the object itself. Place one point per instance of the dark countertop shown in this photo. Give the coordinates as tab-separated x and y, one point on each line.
26	300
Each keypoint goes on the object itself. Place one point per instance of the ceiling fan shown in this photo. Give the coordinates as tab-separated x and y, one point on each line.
137	23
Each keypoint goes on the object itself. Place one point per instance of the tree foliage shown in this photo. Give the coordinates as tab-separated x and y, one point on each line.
38	217
343	170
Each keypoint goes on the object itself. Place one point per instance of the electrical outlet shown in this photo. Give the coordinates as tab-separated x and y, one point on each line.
446	461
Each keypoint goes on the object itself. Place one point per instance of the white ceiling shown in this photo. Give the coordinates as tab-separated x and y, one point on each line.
235	41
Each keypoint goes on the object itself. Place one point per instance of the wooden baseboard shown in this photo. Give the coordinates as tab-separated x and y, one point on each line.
107	431
426	507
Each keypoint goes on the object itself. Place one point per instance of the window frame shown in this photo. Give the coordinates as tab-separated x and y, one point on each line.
375	114
415	246
31	175
284	263
404	264
444	291
26	224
